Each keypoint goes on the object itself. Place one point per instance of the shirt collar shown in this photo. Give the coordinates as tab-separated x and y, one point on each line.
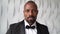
26	23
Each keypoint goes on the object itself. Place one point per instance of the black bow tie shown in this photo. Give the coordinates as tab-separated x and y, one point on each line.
30	27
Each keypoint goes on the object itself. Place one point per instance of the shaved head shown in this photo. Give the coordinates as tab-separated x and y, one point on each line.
30	12
31	2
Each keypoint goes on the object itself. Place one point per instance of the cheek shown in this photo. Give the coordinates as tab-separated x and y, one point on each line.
26	15
35	14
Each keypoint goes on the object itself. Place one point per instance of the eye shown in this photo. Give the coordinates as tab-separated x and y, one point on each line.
27	10
34	11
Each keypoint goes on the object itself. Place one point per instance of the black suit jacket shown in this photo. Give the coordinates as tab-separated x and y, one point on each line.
18	28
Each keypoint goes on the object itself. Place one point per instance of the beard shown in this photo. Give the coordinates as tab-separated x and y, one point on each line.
31	19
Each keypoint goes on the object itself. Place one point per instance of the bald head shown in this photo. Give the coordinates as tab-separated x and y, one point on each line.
32	3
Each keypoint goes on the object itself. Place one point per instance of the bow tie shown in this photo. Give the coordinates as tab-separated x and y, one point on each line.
30	27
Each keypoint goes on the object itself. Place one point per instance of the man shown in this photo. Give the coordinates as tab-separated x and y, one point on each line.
29	25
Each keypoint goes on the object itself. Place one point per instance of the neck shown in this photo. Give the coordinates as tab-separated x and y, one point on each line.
30	23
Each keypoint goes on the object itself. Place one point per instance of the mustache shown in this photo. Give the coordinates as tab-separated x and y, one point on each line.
31	17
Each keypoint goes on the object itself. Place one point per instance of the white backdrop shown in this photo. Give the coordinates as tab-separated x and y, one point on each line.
11	11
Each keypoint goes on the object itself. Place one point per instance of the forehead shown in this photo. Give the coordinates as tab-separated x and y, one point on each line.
30	5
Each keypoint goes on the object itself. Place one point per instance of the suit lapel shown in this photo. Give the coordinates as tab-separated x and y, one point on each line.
38	28
20	28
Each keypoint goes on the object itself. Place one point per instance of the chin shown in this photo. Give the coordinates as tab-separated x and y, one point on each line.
31	21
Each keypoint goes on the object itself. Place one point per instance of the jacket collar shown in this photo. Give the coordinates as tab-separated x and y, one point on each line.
21	28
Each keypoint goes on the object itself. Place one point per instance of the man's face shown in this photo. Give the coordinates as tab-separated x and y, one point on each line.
30	12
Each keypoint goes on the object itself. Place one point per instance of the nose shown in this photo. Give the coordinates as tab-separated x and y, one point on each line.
30	13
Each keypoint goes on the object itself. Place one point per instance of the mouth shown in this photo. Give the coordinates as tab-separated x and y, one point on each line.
30	18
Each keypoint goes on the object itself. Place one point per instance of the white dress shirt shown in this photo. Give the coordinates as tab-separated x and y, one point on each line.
30	31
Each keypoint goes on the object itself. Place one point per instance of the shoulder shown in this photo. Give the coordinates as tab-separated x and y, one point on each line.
15	25
42	26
